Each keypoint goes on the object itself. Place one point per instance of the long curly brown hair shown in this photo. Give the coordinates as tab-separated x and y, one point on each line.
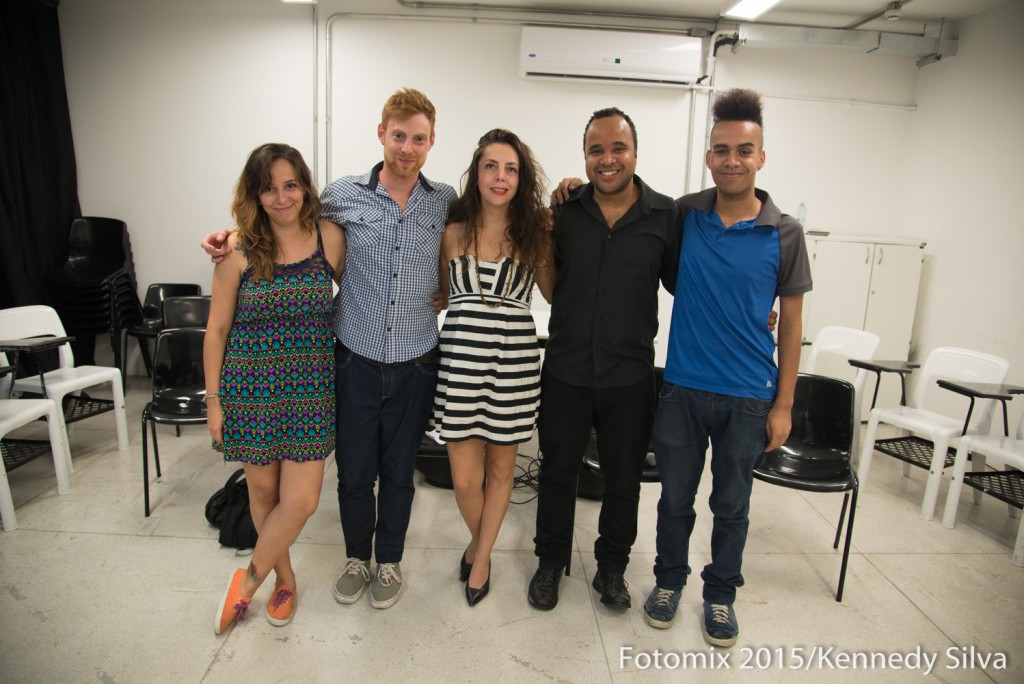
254	233
526	231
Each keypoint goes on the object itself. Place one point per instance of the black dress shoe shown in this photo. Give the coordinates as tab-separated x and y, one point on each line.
464	568
613	589
475	596
543	591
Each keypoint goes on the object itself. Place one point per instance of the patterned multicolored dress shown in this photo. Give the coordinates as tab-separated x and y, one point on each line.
277	383
488	382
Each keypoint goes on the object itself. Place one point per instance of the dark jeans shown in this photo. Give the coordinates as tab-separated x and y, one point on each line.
382	415
622	418
686	419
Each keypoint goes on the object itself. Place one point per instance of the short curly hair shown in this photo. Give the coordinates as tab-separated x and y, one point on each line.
738	104
604	114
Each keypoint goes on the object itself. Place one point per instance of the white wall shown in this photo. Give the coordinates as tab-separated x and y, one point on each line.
961	189
168	98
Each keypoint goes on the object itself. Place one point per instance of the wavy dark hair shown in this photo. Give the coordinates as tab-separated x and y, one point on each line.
527	233
254	232
738	104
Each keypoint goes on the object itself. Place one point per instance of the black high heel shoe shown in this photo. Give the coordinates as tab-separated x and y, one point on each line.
475	596
464	568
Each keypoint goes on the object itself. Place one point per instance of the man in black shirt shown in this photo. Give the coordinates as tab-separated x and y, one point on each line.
616	239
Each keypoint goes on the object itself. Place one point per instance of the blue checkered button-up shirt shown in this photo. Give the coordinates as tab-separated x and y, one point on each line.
383	310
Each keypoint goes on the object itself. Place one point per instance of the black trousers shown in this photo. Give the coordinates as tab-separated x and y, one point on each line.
622	418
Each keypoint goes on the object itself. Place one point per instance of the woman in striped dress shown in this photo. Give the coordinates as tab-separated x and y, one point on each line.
495	247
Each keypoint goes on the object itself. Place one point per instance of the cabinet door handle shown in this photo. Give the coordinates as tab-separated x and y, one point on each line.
881	253
867	255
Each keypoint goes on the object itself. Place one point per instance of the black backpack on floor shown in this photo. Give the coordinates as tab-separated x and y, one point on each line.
228	510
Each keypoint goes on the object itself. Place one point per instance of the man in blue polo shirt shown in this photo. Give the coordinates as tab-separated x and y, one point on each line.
721	382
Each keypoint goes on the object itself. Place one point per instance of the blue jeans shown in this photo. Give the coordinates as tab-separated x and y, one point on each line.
382	415
685	421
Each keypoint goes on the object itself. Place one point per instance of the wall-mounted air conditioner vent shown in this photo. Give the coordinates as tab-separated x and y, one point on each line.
619	57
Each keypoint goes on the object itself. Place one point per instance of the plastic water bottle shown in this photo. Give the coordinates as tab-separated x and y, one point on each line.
801	214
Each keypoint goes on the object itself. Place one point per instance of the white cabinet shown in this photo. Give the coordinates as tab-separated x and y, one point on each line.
870	284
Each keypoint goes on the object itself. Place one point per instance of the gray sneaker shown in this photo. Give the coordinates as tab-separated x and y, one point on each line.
353	581
661	606
387	586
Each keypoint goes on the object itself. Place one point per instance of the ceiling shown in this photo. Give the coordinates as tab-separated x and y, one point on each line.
921	17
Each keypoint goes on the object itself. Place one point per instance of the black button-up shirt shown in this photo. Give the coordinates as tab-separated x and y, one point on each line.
604	315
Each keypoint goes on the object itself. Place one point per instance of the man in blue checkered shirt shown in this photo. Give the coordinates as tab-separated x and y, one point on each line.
386	354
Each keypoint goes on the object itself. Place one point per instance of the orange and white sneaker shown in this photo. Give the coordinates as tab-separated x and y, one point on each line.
281	606
234	606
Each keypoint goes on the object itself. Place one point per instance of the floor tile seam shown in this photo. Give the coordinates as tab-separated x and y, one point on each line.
22	505
913	603
41	530
936	553
223	639
578	552
832	553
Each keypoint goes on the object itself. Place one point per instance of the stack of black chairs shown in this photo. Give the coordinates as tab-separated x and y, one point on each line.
153	319
95	291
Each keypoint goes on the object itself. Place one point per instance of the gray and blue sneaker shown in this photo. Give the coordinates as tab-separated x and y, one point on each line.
661	606
720	627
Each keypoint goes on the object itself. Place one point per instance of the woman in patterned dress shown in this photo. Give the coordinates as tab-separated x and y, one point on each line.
269	360
495	247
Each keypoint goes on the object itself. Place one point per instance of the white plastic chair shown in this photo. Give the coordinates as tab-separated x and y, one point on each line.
14	413
35	321
848	343
1010	451
933	432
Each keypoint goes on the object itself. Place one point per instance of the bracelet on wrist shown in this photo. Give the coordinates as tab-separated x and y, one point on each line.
211	395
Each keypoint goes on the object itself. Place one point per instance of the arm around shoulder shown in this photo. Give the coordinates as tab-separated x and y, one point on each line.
334	246
449	250
216	244
223	301
546	272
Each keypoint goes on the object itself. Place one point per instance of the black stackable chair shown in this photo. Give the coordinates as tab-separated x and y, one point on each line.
186	312
94	291
816	457
153	319
179	383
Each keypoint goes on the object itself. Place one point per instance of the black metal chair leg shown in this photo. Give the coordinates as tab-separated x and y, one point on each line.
842	516
846	547
156	451
145	462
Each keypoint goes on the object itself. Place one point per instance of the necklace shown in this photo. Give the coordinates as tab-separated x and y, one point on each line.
497	273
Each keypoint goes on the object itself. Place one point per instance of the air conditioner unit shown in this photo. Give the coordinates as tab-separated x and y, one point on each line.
618	57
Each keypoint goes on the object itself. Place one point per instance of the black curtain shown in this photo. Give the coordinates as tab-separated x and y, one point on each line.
38	178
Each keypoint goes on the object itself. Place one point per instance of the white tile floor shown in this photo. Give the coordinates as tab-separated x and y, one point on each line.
90	590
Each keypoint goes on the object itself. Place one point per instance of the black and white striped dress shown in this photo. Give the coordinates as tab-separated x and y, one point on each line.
488	383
